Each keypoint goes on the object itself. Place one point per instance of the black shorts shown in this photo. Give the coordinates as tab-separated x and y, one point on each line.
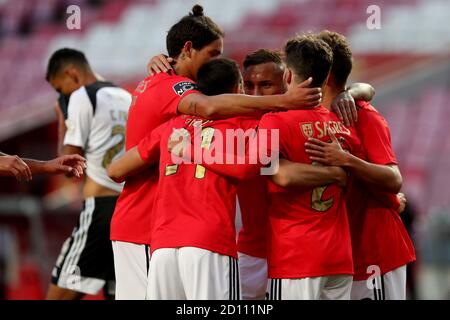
86	262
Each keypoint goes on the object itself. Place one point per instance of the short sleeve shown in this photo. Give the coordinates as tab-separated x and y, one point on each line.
177	89
376	138
150	143
80	113
270	129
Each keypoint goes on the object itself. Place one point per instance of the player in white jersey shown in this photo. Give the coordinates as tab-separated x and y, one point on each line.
92	116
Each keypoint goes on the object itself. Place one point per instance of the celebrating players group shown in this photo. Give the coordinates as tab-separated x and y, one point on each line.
320	207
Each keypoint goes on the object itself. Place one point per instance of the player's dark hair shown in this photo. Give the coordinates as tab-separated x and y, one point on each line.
342	55
309	56
261	56
218	76
61	58
195	27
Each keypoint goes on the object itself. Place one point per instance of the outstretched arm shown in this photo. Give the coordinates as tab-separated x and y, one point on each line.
23	169
229	105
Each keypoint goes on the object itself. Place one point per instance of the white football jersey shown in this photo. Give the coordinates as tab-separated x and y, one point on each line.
96	121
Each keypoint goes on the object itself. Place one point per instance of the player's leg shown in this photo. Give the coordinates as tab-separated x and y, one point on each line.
131	264
208	275
296	289
337	288
394	284
86	261
164	281
253	277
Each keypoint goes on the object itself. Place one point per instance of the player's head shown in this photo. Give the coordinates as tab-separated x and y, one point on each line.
68	70
220	76
263	73
194	40
307	56
342	57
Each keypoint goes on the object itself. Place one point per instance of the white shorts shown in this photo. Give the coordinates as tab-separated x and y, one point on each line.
317	288
131	263
189	273
253	277
389	286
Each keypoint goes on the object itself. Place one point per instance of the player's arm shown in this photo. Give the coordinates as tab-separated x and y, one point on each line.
228	105
23	169
130	163
14	166
72	164
145	154
386	177
293	175
344	104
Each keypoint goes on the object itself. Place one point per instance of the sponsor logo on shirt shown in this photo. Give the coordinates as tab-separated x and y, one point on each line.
181	87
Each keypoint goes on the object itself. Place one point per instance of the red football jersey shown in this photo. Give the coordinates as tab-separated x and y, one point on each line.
254	204
194	206
378	234
309	232
155	100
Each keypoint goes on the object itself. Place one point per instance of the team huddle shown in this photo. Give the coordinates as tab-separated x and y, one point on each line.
320	206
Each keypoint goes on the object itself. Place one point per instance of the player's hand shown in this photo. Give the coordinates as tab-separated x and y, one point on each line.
402	199
344	107
303	97
330	154
158	64
15	166
71	165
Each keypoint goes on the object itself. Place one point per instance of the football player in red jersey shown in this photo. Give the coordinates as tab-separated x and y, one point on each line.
372	203
194	252
310	248
263	75
381	245
191	42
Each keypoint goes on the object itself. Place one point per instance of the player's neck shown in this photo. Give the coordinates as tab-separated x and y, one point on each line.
182	69
90	78
329	94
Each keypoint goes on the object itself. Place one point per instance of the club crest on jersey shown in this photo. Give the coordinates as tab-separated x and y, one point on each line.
307	129
181	87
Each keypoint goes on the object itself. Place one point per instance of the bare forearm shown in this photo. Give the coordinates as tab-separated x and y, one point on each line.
382	176
37	166
304	176
230	105
361	91
128	165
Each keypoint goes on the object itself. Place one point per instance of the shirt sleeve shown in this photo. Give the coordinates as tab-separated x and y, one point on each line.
177	89
270	137
376	138
79	118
